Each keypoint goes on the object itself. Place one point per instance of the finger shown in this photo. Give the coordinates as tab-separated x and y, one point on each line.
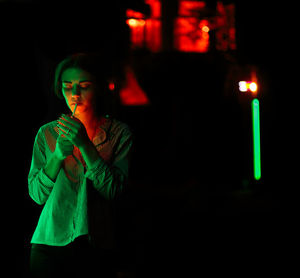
65	142
61	135
68	148
66	133
72	120
63	129
63	122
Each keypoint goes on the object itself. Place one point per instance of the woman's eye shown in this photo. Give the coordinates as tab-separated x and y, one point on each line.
85	85
67	86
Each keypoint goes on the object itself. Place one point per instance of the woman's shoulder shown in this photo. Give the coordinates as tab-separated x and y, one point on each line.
49	129
48	126
47	134
119	127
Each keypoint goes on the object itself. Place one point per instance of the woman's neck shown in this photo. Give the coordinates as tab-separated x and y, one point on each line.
91	122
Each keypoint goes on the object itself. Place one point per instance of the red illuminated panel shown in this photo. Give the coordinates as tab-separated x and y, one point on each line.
190	8
137	32
191	33
195	21
153	34
134	14
132	94
155	7
146	32
153	26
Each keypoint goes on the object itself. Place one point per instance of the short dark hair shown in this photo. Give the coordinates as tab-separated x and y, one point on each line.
95	64
90	62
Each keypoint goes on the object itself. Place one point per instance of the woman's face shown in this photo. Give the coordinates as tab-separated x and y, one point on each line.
78	86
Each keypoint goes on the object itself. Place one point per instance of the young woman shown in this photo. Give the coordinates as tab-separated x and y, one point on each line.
79	166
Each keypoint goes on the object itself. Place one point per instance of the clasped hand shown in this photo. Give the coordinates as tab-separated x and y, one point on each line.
71	133
73	130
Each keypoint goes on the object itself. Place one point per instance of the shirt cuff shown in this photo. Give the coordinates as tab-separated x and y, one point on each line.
97	169
46	181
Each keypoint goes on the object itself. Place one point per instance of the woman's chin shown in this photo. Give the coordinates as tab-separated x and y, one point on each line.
79	109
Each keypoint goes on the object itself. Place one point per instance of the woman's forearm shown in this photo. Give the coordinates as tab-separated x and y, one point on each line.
89	154
53	166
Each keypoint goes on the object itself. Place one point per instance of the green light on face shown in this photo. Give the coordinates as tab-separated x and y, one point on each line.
256	139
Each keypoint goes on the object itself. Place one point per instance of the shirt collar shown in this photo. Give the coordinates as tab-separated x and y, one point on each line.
103	133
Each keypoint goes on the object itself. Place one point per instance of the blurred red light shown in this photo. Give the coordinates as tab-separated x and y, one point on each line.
132	94
111	86
135	22
205	29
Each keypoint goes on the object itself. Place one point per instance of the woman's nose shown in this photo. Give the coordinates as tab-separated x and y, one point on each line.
76	90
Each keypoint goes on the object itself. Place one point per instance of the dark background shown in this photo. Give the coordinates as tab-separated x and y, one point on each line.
193	205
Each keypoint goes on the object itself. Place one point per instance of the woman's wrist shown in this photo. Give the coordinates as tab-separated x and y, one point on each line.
57	157
89	153
53	166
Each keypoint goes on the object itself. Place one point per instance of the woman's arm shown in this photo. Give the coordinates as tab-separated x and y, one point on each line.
89	154
110	179
43	172
52	167
63	148
39	184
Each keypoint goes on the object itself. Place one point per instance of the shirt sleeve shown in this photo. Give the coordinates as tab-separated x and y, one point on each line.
39	184
110	179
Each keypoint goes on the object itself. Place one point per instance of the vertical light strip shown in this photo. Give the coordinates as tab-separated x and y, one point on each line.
256	139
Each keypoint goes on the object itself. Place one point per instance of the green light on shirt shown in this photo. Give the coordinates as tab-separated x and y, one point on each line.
256	139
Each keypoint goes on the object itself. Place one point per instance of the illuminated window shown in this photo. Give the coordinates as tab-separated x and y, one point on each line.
194	25
137	29
195	21
191	33
145	32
